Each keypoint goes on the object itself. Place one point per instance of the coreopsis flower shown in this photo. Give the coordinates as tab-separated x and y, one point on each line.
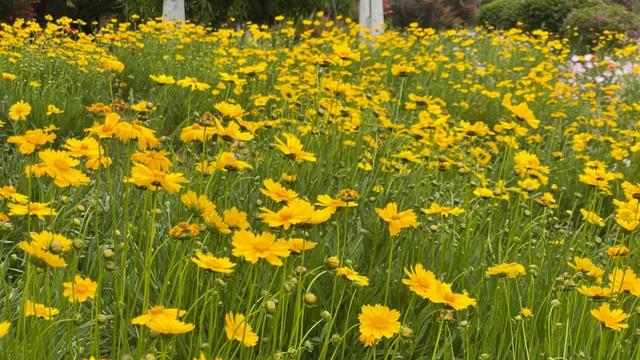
627	214
403	69
31	139
547	200
19	111
10	192
235	218
618	251
107	129
184	230
209	262
592	218
53	110
526	312
162	79
293	148
142	106
441	293
61	167
527	164
261	246
420	281
521	111
622	280
154	180
80	289
111	64
193	84
612	319
296	212
237	328
226	161
91	149
156	313
198	202
8	76
164	321
154	159
231	132
599	178
631	191
444	211
47	247
587	266
378	321
510	270
169	326
4	328
277	192
197	132
397	220
596	292
229	110
40	310
352	275
37	209
298	245
329	202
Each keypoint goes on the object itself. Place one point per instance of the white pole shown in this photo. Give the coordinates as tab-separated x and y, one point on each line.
371	16
173	10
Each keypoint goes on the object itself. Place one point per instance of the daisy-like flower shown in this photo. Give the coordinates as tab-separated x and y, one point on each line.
437	209
19	111
277	192
209	262
237	328
37	209
80	289
154	180
441	293
420	281
263	246
509	270
378	321
612	319
352	275
397	220
39	310
4	328
293	148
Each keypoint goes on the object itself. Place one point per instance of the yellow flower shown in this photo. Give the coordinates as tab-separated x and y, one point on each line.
510	270
521	111
111	64
154	180
157	313
235	218
587	266
210	262
263	246
80	289
352	275
378	321
436	209
592	218
39	310
61	167
37	209
618	250
162	79
169	326
52	109
277	192
420	281
293	148
237	328
299	245
4	328
441	293
397	220
19	110
526	312
611	319
46	247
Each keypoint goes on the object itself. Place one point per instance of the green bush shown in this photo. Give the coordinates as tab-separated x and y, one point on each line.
585	25
502	14
548	14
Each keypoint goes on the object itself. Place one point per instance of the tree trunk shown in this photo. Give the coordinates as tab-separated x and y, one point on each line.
173	10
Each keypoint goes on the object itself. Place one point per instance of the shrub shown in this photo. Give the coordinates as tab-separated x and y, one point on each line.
585	25
502	14
547	14
432	13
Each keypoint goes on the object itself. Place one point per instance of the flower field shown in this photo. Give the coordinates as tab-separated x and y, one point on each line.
302	191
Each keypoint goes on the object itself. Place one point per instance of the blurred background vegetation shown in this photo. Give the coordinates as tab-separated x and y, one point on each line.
580	20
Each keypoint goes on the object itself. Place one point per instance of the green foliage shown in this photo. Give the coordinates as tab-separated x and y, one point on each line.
586	25
431	13
502	14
